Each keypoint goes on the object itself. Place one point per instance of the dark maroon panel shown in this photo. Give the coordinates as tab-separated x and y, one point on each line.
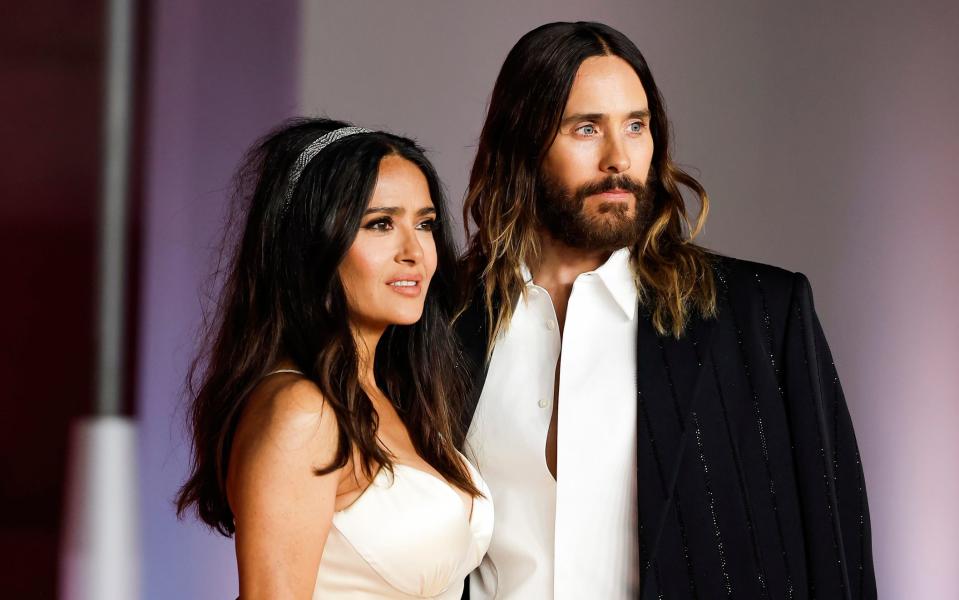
50	65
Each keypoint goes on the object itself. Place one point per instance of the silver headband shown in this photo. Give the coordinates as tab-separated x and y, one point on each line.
311	151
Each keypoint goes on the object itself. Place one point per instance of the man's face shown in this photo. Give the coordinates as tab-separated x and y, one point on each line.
593	181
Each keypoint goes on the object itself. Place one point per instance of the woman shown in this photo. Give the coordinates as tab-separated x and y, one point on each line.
323	424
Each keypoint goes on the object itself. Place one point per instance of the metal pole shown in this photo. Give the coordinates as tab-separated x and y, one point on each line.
100	558
117	104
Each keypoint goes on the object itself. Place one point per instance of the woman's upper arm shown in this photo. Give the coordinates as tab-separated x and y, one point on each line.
283	511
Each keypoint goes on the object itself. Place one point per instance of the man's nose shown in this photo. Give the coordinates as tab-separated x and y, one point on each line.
615	158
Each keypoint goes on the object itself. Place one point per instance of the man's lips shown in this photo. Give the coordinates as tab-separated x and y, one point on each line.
615	194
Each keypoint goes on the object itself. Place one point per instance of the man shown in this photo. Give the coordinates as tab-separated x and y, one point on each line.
653	420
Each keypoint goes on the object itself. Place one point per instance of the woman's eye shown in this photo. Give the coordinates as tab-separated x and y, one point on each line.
586	129
637	127
428	225
382	224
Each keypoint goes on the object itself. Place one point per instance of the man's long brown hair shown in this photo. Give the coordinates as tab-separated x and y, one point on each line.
674	276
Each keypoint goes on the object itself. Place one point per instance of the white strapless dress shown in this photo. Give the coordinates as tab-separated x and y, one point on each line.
408	535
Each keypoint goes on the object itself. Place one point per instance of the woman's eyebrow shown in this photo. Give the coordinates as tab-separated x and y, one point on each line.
390	210
397	210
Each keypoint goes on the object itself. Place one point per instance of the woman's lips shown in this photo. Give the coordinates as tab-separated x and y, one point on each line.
406	287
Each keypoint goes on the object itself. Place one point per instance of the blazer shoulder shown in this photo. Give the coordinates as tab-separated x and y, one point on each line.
739	271
756	288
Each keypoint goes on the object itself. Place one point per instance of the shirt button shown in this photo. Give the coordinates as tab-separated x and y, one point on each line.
542	402
550	324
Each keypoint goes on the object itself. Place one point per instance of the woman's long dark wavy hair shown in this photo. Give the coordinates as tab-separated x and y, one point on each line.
674	275
282	299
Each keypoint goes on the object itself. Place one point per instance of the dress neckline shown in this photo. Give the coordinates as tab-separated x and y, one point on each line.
382	471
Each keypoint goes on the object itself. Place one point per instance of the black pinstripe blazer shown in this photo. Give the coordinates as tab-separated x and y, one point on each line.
750	481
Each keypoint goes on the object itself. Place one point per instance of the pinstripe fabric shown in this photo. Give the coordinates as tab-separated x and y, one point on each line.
750	479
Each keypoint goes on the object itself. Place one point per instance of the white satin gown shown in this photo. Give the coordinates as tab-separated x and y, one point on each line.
408	535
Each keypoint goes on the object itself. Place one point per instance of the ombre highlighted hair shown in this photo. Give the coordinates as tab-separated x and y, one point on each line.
674	275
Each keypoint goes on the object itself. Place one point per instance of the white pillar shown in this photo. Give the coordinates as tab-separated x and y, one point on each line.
100	557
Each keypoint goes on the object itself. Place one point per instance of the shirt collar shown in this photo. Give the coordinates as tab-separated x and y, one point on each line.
524	271
616	274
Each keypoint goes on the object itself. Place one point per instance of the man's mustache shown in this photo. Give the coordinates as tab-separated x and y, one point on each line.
610	183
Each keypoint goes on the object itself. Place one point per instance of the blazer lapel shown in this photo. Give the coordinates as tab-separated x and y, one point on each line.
472	330
670	380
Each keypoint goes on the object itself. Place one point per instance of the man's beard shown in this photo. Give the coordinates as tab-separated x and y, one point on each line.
562	212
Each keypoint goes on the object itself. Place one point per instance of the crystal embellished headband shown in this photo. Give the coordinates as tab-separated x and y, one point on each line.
310	152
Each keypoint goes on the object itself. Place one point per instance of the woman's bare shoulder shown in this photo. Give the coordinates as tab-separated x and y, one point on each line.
287	418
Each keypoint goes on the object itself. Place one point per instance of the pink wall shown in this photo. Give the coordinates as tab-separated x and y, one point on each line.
827	137
825	133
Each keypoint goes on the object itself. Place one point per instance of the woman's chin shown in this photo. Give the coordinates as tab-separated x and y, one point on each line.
407	317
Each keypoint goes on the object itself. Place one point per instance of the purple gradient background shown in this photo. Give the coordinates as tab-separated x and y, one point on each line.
826	135
222	73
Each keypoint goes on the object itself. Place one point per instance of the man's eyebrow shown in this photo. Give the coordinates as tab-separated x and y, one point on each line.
636	114
584	117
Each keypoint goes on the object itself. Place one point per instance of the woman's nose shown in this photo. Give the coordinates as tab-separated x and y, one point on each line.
410	251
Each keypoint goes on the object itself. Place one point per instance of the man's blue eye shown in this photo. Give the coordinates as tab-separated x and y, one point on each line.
587	129
637	127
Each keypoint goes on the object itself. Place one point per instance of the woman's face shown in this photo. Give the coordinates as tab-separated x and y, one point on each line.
387	270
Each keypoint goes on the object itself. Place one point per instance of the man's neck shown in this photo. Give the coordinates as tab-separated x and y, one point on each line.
558	267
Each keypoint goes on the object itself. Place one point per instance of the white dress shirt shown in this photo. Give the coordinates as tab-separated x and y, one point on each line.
576	536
